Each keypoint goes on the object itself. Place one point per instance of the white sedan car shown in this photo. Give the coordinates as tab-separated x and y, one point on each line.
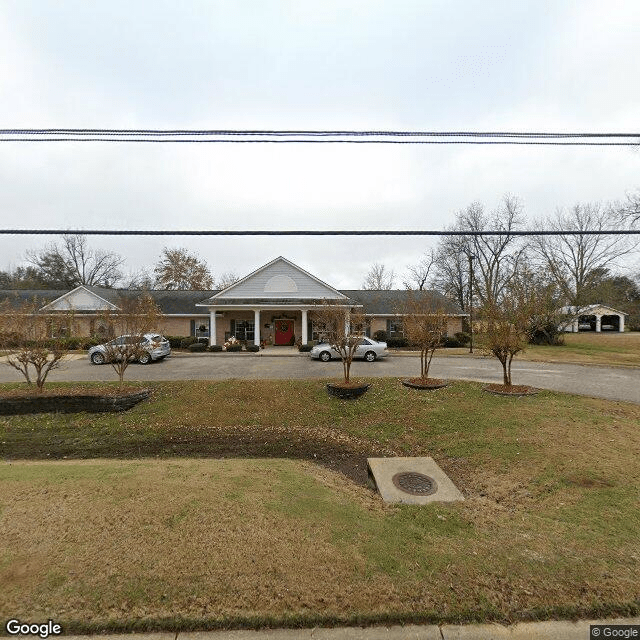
367	349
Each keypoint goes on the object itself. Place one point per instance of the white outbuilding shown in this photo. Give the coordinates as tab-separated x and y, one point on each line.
593	317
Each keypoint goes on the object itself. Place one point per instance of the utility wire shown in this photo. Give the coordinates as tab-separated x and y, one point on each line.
316	132
307	232
314	141
320	136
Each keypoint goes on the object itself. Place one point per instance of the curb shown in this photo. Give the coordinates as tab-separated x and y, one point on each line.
549	630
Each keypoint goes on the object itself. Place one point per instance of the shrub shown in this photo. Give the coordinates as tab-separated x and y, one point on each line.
463	338
185	343
174	341
234	347
305	348
197	346
380	336
545	333
215	347
253	348
395	343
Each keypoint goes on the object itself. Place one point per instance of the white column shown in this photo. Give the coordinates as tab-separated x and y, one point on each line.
346	323
621	323
574	326
598	323
305	336
212	326
256	327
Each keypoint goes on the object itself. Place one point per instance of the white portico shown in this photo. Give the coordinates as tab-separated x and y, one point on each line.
272	305
594	317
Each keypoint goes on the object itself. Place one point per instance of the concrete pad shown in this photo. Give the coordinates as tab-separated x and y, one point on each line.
383	471
247	634
550	630
396	632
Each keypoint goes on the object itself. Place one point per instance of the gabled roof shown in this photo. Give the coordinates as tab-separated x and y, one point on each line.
275	280
380	302
19	296
588	310
86	299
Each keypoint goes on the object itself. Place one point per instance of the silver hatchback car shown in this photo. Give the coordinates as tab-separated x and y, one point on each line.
367	349
153	347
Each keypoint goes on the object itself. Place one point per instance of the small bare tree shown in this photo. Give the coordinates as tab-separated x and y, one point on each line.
133	318
25	333
379	278
226	279
418	274
506	325
342	328
425	326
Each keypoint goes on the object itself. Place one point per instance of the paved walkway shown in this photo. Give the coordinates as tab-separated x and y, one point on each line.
552	630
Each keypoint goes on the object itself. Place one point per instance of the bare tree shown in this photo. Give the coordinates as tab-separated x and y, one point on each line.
571	257
25	333
506	325
179	269
141	279
629	211
451	270
226	279
418	274
73	263
379	278
133	318
425	326
343	328
495	258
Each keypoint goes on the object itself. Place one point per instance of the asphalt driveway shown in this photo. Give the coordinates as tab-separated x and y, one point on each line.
613	383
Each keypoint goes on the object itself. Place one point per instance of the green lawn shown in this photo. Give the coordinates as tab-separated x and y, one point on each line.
175	537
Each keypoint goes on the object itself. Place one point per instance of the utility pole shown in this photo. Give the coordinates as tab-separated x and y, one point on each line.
471	257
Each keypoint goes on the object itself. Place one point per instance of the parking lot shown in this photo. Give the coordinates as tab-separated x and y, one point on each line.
614	383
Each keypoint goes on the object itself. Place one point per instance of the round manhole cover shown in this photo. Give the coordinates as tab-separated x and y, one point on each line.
417	484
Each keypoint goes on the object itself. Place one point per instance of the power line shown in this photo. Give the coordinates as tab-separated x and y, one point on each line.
307	136
308	232
318	132
312	141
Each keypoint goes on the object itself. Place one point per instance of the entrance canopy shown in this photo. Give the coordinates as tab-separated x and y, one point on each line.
278	287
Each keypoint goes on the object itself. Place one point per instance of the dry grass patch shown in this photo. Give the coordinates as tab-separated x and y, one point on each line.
622	349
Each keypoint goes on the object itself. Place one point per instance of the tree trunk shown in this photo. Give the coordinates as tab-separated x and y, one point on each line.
506	374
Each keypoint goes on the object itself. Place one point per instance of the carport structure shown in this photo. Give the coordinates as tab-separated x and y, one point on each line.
598	317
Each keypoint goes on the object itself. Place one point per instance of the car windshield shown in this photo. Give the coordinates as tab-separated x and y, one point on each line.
155	338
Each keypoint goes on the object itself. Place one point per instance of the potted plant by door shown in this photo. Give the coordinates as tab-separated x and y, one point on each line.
343	329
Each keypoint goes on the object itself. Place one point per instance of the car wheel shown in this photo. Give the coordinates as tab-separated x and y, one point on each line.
370	356
98	358
325	356
145	358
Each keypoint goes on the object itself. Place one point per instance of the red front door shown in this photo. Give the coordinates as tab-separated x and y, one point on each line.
284	331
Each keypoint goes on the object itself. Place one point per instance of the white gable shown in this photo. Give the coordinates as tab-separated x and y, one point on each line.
80	299
279	279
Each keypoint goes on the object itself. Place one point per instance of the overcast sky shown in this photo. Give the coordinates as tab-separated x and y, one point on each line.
428	65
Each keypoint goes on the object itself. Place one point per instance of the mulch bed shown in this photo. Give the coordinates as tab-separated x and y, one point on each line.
425	383
52	392
23	401
512	390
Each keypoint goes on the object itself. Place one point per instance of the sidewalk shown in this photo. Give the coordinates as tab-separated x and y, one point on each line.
551	630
